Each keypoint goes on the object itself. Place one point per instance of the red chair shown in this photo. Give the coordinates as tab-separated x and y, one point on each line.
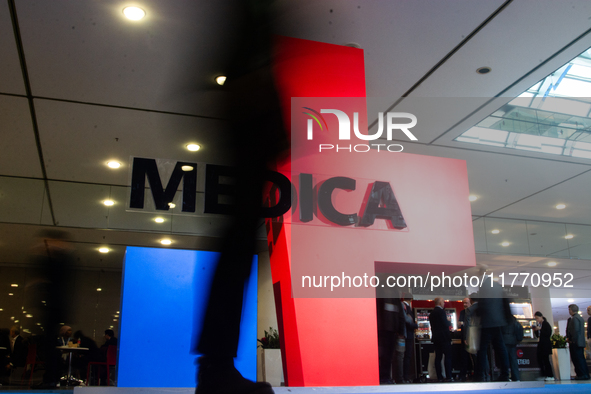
111	362
32	361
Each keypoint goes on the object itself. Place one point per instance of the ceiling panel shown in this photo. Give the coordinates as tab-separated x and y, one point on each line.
499	179
512	44
79	139
79	204
87	51
402	40
11	77
21	200
580	244
18	150
541	206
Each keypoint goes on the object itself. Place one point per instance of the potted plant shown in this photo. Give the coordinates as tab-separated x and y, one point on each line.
560	357
271	358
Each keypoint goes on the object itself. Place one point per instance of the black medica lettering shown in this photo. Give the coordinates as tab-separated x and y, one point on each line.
143	168
213	189
325	200
306	198
390	210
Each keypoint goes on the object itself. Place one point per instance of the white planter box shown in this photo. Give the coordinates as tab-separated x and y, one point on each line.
272	367
561	364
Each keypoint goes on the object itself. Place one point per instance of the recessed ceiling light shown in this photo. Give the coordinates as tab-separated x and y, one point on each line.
159	220
560	206
99	289
165	241
29	315
570	300
134	13
569	236
193	147
109	202
483	70
496	231
114	164
506	243
552	264
104	250
220	80
14	285
472	197
10	294
187	168
171	205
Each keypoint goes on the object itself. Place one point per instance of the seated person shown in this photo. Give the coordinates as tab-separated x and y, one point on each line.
109	340
82	358
65	336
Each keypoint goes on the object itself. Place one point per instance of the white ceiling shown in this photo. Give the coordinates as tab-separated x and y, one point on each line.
105	88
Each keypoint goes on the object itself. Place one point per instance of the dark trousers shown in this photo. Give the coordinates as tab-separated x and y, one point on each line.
443	349
466	361
494	336
389	357
577	356
544	363
408	358
512	354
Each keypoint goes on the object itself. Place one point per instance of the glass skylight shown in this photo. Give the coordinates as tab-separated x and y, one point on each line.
553	116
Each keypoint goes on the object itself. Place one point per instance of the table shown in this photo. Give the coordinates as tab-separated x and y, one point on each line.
71	350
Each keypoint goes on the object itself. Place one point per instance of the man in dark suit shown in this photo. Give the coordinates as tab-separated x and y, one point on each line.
391	328
441	335
494	312
466	362
18	348
409	346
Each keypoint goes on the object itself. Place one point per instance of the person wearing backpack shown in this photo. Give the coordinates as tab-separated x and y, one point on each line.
512	335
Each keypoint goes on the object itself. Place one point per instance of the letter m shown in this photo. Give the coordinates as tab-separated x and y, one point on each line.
143	168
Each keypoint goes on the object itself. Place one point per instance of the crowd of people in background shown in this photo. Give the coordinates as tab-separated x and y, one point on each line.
15	369
485	322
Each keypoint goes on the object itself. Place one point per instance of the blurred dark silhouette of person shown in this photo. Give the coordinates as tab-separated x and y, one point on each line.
441	334
494	312
18	349
409	346
512	335
544	351
466	359
5	366
576	343
257	137
80	360
391	330
588	349
50	290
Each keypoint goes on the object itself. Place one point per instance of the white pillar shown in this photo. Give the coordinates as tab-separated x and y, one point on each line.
540	299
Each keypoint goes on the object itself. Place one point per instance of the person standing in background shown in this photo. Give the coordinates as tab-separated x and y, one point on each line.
512	335
576	340
466	361
544	332
391	328
409	348
440	327
588	349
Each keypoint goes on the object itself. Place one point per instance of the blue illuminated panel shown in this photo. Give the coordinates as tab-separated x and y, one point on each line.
164	296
